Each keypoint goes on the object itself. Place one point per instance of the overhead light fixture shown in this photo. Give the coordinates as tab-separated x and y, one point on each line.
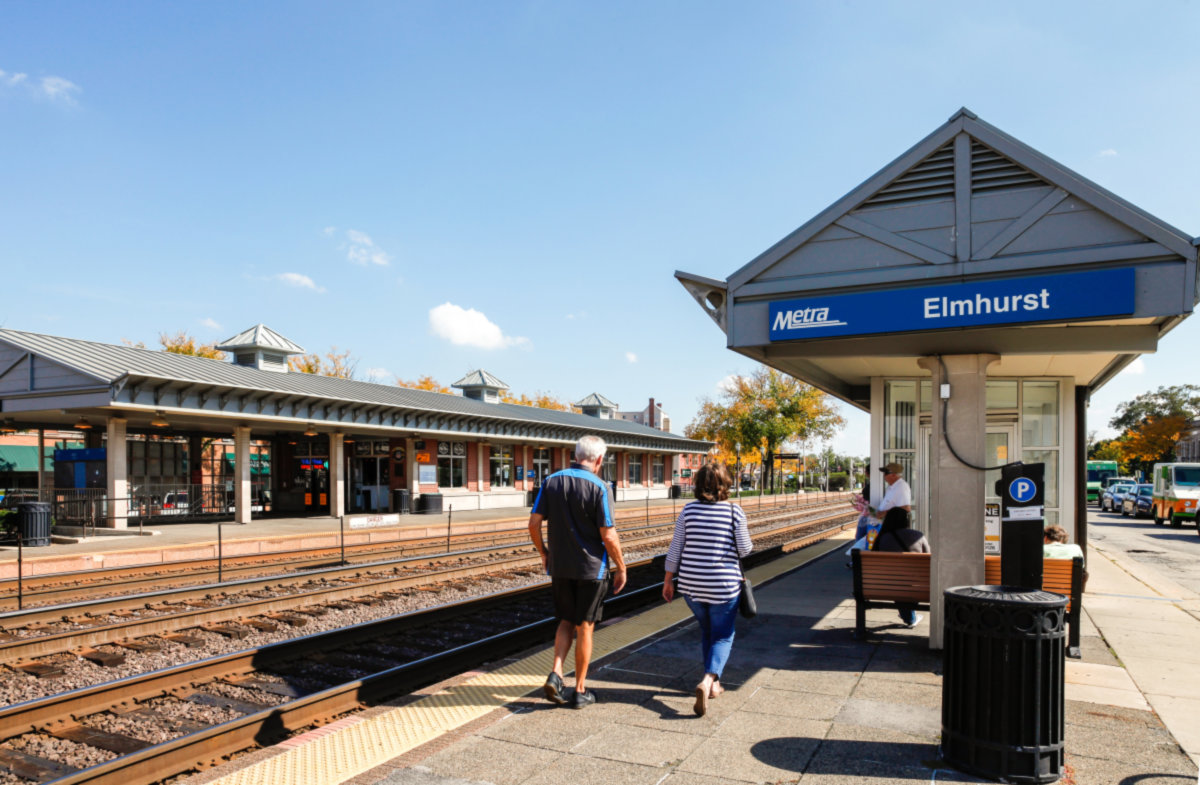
160	420
8	426
311	430
348	439
83	424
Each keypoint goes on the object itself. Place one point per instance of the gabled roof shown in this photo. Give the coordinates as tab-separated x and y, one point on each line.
930	164
121	366
480	378
260	337
596	400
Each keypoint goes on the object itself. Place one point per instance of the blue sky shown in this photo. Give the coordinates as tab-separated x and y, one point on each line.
510	185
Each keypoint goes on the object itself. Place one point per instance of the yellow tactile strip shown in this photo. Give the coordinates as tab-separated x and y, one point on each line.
332	758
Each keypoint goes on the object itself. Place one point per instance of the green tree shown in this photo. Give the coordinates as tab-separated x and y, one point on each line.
1180	400
762	411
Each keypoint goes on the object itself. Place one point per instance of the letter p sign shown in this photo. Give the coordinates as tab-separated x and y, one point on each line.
1022	490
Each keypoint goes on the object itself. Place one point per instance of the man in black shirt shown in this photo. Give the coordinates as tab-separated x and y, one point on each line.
583	557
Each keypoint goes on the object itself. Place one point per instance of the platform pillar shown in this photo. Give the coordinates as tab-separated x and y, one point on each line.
956	491
337	475
241	474
116	453
43	491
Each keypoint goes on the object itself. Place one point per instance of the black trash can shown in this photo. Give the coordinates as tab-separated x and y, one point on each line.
531	496
401	500
676	491
1002	690
33	522
429	504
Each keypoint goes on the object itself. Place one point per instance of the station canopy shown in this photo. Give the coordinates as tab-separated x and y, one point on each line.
971	242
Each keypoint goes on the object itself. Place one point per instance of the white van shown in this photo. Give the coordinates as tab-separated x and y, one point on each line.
1176	492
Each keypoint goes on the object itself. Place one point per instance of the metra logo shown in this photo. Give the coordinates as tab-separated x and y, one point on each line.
803	318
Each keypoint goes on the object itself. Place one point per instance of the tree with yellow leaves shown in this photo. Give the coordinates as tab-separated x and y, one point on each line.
760	412
1151	441
540	400
340	365
182	343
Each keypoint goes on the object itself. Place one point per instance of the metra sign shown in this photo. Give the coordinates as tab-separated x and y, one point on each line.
1043	298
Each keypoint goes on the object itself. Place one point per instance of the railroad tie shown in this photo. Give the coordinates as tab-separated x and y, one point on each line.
108	659
190	641
142	646
31	767
42	670
260	625
230	631
94	737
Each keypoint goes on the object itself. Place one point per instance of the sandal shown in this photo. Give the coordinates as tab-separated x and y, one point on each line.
701	706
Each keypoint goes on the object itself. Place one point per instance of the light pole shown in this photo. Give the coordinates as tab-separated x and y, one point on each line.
737	448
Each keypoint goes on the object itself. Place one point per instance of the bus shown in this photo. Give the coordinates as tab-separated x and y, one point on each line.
1176	492
1097	473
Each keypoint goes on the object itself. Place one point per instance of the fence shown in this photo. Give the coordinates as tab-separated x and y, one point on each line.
89	507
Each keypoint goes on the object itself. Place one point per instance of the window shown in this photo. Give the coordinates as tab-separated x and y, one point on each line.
451	464
900	414
502	466
656	470
1039	414
541	465
608	470
635	470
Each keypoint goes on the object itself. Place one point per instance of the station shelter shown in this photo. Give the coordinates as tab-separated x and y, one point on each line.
164	434
971	296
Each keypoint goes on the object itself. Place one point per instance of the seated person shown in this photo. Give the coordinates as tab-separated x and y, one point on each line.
1055	545
895	536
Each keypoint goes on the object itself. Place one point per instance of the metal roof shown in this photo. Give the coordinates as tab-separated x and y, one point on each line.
480	378
113	365
594	400
260	336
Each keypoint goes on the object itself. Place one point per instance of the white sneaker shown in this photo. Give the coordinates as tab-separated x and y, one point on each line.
917	619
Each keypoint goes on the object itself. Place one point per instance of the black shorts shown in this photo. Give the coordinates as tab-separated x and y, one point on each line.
579	601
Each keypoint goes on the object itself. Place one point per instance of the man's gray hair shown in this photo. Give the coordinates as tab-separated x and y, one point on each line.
589	448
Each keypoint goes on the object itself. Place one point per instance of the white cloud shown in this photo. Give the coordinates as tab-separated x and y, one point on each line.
329	230
378	375
211	323
468	327
1135	368
299	281
631	357
362	250
1107	153
728	384
58	89
11	79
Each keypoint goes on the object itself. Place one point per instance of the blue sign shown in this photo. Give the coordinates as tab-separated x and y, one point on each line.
1043	298
92	454
1022	489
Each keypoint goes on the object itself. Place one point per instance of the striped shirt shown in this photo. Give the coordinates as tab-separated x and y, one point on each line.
704	551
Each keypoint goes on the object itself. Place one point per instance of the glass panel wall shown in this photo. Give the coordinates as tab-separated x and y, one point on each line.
452	464
635	469
502	465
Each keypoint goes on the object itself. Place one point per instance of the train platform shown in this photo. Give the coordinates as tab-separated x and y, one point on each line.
163	542
804	703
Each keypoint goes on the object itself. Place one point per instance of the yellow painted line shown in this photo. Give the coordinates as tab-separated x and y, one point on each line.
333	758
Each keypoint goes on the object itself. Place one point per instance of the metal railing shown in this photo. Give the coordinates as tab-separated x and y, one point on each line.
89	507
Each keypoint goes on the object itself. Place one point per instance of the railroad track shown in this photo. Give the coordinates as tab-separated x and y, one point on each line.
135	579
151	727
38	642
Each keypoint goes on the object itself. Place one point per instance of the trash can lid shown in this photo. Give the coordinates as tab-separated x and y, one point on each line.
1005	595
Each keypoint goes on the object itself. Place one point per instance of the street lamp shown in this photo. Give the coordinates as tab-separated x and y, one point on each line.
737	447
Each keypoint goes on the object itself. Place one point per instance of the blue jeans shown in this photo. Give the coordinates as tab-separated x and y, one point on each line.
716	631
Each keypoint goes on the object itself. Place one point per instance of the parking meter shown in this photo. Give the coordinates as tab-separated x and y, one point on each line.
1022	492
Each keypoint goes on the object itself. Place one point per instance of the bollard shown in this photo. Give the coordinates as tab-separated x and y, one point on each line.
220	554
20	571
449	518
342	537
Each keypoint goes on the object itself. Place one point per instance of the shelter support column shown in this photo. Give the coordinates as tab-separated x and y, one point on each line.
1079	487
116	456
412	478
241	474
956	490
337	475
42	488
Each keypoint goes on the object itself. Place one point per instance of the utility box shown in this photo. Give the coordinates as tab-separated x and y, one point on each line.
1022	492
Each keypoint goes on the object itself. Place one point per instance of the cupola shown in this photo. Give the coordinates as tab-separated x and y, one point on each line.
596	405
481	386
262	348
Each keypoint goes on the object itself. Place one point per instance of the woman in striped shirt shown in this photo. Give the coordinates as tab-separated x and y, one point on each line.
710	536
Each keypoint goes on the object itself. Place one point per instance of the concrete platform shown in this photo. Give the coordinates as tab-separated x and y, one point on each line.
805	703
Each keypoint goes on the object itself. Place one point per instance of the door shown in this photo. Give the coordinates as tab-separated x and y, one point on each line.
1000	441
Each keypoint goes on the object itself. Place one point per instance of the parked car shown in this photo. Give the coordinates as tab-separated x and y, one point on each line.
1139	503
175	503
1113	495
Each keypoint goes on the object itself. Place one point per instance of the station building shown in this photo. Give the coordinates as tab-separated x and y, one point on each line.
971	296
164	434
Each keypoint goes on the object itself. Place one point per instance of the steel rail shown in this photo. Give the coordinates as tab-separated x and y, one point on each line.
27	648
40	589
202	748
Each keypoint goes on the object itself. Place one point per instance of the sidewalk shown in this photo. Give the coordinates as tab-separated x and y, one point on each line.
805	703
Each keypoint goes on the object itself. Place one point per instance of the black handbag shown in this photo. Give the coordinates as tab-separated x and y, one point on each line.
747	607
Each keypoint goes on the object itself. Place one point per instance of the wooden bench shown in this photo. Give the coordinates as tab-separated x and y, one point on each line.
882	578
